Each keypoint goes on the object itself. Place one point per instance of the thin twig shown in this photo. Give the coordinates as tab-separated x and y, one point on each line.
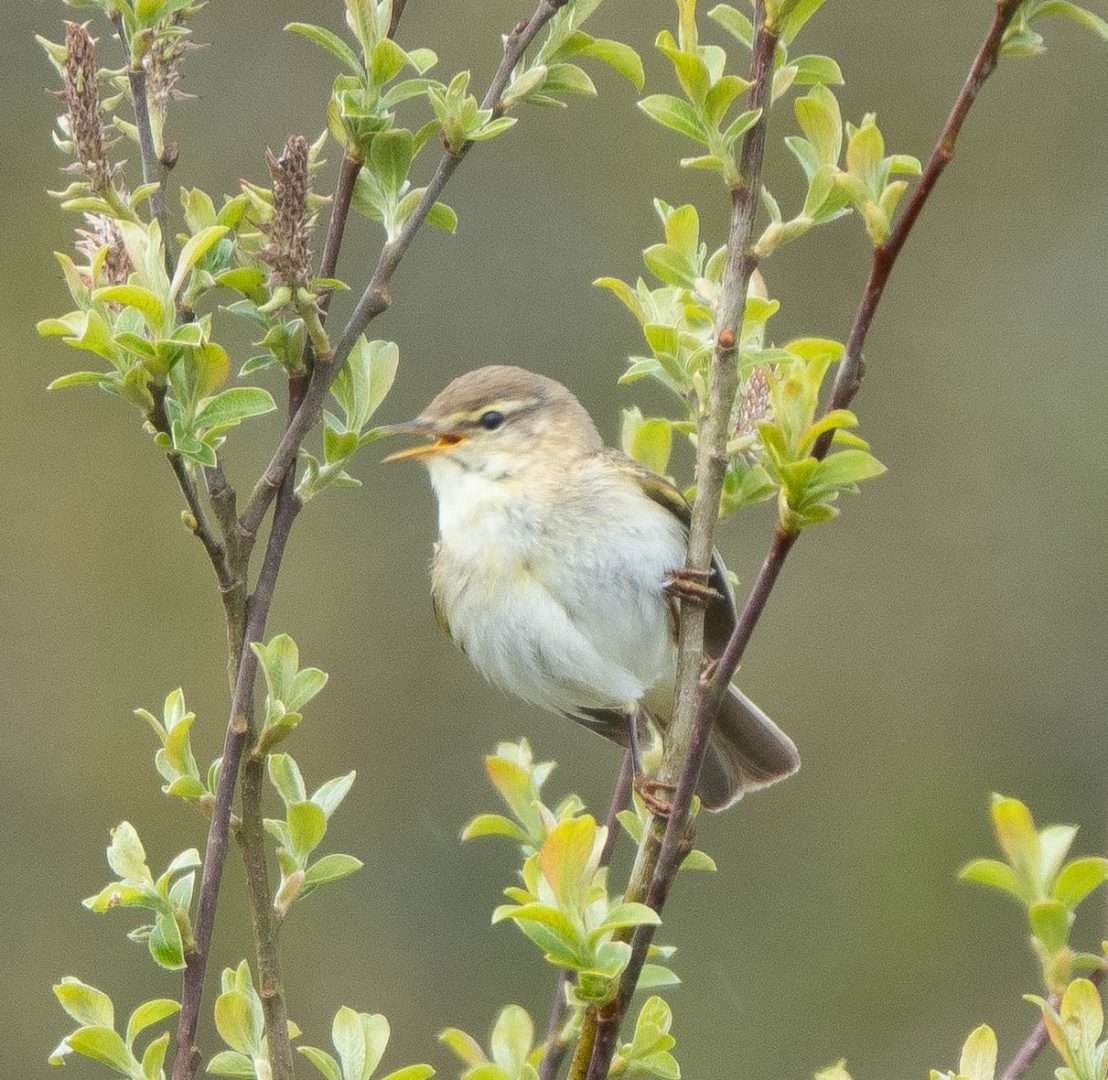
374	300
378	296
683	741
555	1046
198	524
660	859
152	170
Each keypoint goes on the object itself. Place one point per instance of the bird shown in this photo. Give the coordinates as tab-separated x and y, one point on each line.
558	573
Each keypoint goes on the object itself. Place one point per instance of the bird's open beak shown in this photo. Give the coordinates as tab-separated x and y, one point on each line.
444	440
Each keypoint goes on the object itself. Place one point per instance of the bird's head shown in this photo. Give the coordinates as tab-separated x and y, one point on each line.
499	421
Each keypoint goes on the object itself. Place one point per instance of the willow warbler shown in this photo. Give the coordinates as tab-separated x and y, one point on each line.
557	570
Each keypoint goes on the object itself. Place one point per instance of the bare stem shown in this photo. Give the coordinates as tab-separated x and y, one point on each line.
378	295
556	1047
663	848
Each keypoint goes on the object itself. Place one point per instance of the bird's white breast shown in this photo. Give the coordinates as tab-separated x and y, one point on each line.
555	592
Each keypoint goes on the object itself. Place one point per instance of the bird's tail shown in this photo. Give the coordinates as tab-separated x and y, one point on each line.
747	751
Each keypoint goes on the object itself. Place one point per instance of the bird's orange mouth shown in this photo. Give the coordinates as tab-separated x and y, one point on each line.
440	446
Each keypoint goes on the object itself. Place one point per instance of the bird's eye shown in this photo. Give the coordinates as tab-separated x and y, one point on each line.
491	420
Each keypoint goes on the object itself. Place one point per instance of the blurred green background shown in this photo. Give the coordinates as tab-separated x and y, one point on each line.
944	639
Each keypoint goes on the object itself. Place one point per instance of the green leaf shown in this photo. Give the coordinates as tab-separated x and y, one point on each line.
77	378
142	300
307	825
360	1039
655	977
1079	878
325	39
619	57
630	914
675	114
165	943
819	118
652	444
284	775
1050	923
232	1063
1054	844
330	868
817	70
443	217
239	1021
978	1060
104	1045
1076	14
847	467
566	855
794	14
84	1003
154	1057
149	1013
390	158
493	128
233	406
734	22
126	855
411	1072
328	796
323	1062
568	79
994	874
1016	834
512	1036
494	825
740	125
464	1046
197	247
387	61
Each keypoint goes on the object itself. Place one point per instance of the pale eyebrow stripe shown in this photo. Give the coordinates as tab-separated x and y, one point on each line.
506	406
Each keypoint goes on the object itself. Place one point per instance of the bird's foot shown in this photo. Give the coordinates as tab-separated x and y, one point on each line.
708	668
691	585
648	791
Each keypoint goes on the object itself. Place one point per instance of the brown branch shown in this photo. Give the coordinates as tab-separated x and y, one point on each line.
661	857
378	296
252	834
556	1048
238	731
685	742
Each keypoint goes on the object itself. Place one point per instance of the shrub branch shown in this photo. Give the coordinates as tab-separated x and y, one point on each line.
665	843
275	480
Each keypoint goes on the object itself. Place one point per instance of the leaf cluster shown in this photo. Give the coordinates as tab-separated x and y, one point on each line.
97	1039
1036	875
168	897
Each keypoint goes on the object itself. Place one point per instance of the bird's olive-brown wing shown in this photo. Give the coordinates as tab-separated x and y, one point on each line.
721	614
